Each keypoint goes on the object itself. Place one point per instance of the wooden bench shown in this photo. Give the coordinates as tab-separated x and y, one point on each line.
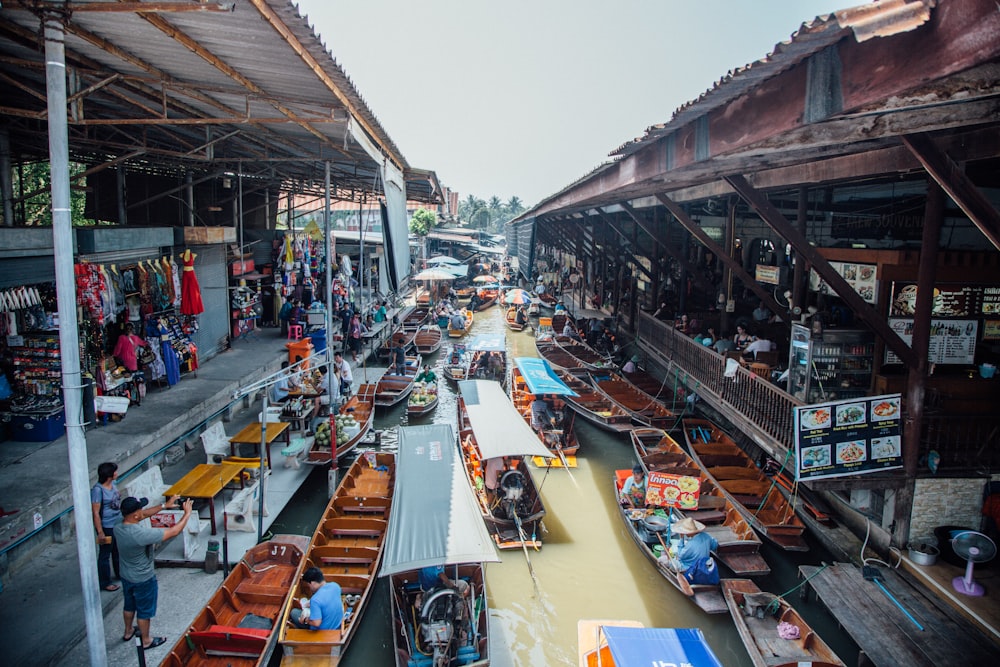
303	636
227	640
261	593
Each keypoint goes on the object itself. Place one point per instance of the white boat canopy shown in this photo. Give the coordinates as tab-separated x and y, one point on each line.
435	519
500	430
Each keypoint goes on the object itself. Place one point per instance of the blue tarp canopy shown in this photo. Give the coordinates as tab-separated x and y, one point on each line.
540	378
496	342
435	519
635	647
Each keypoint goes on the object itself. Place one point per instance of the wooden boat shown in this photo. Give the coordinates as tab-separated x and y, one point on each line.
465	292
361	407
490	430
415	319
555	355
237	626
456	368
757	615
428	340
458	333
402	338
422	296
643	408
427	630
588	356
590	641
392	388
559	319
548	300
510	317
739	546
630	644
347	546
756	496
646	531
423	399
649	384
562	442
594	406
487	354
488	297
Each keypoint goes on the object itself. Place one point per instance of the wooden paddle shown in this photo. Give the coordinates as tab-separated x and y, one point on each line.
562	457
682	581
524	545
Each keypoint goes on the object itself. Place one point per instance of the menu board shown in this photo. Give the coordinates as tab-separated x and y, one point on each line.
951	342
991	301
665	490
849	437
991	329
859	276
948	300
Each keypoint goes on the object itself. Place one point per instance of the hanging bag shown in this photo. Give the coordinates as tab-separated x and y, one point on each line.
144	355
705	571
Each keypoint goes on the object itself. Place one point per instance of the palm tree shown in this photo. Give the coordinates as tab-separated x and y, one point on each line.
514	206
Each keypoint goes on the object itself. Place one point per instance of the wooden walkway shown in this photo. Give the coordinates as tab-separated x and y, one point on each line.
884	633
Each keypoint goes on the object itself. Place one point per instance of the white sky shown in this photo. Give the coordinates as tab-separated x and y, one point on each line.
523	97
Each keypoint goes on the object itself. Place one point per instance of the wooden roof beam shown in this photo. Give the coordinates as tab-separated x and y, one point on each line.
776	221
613	224
131	6
952	179
664	243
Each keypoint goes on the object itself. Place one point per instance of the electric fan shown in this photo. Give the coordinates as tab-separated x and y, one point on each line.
975	548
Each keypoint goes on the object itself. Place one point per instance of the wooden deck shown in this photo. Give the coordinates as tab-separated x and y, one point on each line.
884	633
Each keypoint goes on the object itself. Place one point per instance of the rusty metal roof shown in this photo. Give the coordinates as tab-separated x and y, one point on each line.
189	87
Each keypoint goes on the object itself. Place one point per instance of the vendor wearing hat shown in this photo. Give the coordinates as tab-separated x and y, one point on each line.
697	544
634	489
630	365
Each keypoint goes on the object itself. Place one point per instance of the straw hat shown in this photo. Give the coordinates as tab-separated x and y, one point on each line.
688	527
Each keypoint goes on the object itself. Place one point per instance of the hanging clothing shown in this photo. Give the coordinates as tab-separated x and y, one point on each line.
190	290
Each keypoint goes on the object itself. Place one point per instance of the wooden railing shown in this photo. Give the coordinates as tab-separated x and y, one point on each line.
703	371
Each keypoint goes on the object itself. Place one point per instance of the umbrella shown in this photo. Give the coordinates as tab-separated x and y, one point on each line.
486	279
433	274
517	297
443	259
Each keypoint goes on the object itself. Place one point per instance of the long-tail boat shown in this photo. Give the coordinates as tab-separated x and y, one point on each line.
648	383
361	407
489	430
647	531
510	317
487	356
458	333
739	546
594	406
588	356
428	340
488	297
403	338
456	366
415	319
630	644
750	490
427	627
423	399
347	546
552	353
531	378
757	615
238	625
643	408
393	388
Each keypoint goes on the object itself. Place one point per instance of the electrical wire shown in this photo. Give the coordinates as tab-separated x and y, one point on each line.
864	545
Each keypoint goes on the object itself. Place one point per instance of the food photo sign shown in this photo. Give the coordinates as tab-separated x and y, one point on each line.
665	490
849	437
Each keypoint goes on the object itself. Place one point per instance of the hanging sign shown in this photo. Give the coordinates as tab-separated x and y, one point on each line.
665	490
849	437
951	341
768	275
861	277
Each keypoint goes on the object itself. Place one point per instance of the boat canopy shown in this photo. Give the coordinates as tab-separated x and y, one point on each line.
495	342
540	378
631	647
435	519
500	430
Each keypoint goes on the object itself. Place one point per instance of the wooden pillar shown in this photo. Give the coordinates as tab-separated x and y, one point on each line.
800	277
725	317
917	377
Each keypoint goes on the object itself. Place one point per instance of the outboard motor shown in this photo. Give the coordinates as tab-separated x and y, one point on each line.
650	526
437	625
512	486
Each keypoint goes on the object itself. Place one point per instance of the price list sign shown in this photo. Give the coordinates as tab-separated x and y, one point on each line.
666	490
850	437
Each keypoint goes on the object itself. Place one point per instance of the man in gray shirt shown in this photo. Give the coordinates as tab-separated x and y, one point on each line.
135	551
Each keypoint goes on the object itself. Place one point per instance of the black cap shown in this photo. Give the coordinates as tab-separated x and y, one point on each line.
637	469
131	505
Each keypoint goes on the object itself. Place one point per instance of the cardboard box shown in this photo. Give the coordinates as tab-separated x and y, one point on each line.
241	266
209	235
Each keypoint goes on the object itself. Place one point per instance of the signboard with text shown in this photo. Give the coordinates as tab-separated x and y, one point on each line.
861	277
951	342
665	490
849	437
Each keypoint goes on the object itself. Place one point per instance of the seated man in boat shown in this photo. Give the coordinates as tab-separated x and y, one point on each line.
426	375
324	610
458	320
697	545
495	364
570	331
560	306
520	317
542	416
633	491
475	301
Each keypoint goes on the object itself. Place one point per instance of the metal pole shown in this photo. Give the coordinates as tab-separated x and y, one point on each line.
328	318
262	463
189	197
69	341
6	181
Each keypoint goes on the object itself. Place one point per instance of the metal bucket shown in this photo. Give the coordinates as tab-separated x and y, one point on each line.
923	551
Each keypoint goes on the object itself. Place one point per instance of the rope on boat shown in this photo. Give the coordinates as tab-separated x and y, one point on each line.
774	482
776	602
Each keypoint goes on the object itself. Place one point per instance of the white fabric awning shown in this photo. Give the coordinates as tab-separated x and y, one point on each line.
500	430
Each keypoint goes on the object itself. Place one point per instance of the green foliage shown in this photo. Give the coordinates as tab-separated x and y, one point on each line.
489	215
422	222
33	181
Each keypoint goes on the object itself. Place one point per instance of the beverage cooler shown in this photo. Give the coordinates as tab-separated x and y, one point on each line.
834	366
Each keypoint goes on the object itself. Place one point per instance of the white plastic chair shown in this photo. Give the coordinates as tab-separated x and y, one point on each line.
240	510
216	443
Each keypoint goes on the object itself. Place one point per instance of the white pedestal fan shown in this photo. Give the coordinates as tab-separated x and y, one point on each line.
975	548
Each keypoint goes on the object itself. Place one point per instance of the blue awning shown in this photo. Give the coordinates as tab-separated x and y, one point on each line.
634	647
496	342
540	379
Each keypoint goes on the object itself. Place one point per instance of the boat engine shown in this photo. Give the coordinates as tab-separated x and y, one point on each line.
650	526
513	499
438	617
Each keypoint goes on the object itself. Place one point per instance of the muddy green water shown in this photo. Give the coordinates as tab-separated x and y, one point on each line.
588	568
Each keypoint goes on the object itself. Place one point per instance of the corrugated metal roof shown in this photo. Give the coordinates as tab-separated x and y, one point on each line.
291	105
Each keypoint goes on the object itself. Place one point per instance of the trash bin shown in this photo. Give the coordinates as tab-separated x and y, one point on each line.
318	339
300	348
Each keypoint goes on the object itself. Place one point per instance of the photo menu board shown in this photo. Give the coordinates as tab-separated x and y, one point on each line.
850	437
951	341
861	277
666	490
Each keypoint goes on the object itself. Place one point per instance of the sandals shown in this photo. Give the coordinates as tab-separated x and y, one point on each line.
135	631
156	641
111	587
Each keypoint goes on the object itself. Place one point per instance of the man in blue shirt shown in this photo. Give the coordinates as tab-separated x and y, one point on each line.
279	390
324	610
698	545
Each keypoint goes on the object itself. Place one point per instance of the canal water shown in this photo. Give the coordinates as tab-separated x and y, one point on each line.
589	567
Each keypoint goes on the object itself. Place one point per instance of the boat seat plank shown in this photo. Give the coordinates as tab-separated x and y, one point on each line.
303	636
707	517
735	472
258	593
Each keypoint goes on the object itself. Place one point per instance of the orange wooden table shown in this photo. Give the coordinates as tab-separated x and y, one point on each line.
251	435
205	481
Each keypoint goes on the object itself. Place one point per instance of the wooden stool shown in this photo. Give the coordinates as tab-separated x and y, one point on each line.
761	370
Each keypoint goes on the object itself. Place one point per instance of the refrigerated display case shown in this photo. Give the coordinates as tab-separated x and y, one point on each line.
834	366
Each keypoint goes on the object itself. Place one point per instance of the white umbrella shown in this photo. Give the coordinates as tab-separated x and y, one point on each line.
443	259
433	274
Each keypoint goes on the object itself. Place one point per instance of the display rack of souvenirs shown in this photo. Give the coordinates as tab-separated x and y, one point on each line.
176	351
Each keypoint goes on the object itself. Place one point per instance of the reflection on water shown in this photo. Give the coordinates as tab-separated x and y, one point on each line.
588	568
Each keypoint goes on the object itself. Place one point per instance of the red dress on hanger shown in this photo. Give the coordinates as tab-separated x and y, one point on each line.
190	290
